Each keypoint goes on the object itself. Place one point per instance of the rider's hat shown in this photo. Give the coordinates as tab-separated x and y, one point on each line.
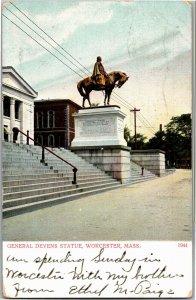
99	58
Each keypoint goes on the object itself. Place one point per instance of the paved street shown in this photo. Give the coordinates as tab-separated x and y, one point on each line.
159	209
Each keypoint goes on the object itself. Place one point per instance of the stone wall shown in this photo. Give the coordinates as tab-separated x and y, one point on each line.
114	160
153	160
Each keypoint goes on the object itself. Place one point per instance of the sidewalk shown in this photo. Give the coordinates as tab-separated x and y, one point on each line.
159	209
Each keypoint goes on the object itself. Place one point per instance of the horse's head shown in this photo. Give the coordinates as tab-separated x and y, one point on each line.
122	79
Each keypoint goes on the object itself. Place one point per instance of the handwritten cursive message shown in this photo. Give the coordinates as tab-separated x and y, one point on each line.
93	270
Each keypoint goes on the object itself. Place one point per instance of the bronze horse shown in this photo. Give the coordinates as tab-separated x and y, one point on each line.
115	79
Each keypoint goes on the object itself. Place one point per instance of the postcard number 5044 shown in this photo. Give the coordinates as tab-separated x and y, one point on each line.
182	245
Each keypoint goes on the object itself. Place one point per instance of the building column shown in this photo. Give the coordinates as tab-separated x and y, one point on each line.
21	137
31	116
12	117
2	114
68	127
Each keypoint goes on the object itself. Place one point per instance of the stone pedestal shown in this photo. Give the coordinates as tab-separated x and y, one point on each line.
99	139
99	126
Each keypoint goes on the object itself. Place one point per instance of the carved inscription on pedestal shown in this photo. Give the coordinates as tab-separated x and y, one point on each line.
120	126
96	127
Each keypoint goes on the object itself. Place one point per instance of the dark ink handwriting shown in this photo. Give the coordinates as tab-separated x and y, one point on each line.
117	277
86	289
67	259
100	258
158	273
79	274
28	290
147	259
144	287
17	260
32	276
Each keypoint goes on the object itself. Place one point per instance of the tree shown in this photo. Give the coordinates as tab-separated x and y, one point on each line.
127	134
140	142
178	133
140	138
175	141
180	126
157	142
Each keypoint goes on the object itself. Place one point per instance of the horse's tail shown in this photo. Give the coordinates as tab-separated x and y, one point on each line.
80	87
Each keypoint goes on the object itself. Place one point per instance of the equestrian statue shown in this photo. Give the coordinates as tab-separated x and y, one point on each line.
101	81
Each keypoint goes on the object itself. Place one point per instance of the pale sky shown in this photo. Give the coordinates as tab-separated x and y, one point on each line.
149	40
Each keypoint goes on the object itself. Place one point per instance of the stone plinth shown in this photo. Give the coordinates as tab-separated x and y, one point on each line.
114	160
153	160
99	126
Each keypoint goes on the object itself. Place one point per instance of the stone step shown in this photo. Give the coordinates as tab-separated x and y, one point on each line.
169	171
31	169
17	210
49	179
140	175
38	165
49	158
21	160
83	175
79	170
73	159
26	160
19	151
27	190
27	182
141	179
23	165
138	180
53	195
16	178
77	165
16	152
18	172
69	156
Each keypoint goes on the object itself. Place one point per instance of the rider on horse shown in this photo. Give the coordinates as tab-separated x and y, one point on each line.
99	73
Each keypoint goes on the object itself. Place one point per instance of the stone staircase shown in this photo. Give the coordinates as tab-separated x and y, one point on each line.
136	173
170	171
29	185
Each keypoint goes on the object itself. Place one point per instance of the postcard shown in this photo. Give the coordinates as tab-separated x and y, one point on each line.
96	149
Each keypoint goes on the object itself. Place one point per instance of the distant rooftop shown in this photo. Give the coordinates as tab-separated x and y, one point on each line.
57	99
10	69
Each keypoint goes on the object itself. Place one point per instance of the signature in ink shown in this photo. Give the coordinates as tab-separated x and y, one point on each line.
86	289
144	287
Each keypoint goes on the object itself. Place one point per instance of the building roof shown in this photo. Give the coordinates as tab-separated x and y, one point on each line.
11	70
56	100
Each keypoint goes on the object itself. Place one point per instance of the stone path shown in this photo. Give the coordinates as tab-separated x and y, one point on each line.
159	209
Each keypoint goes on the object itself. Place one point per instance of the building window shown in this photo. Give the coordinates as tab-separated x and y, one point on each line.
39	119
40	139
51	119
51	140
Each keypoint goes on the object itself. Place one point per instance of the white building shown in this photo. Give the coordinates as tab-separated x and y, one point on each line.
17	105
